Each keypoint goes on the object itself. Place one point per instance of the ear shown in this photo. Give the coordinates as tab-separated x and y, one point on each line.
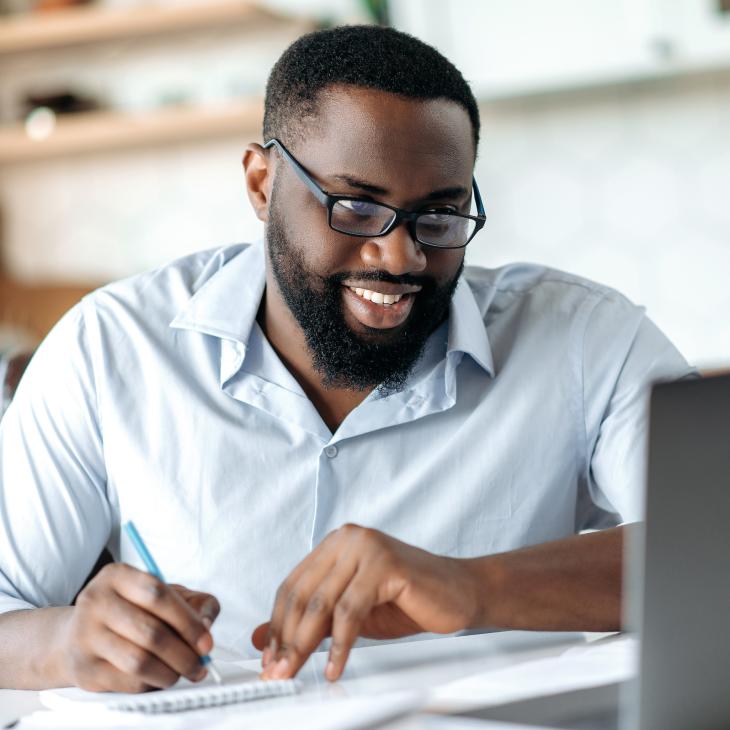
258	169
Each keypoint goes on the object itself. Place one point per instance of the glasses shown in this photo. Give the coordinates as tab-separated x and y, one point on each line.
366	218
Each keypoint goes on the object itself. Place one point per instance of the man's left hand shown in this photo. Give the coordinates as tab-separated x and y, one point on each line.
361	582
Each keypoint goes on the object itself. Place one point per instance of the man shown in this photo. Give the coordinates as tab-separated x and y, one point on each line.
399	445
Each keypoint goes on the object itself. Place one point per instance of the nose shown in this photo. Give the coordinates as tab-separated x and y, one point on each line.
397	253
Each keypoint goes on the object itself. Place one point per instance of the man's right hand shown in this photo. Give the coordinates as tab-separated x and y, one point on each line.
130	632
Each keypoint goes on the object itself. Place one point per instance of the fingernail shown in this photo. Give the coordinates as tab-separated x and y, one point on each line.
209	612
280	670
207	622
330	671
200	674
205	643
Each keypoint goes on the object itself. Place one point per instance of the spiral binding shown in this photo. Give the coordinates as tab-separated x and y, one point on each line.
200	697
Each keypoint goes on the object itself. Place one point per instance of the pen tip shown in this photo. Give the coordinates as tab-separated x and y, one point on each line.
215	674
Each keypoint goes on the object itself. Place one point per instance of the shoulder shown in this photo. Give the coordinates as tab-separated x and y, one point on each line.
165	289
545	293
539	312
140	309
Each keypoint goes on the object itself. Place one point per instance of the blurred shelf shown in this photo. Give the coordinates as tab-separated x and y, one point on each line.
34	308
109	130
92	24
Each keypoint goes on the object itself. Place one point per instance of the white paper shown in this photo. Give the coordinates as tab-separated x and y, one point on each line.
76	699
307	713
589	665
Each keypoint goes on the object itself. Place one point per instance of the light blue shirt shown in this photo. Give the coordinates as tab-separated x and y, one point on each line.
159	399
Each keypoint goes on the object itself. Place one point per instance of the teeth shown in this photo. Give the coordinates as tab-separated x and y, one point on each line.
377	297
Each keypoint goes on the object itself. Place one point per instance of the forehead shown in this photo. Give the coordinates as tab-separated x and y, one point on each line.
390	139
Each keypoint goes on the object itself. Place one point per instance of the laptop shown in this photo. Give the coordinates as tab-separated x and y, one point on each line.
677	580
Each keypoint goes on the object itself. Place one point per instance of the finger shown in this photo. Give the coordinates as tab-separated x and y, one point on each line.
272	647
134	661
315	593
205	604
260	636
261	639
264	640
290	604
149	633
316	620
353	606
293	595
101	676
336	561
164	602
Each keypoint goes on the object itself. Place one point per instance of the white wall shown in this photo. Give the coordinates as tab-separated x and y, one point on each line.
111	215
628	186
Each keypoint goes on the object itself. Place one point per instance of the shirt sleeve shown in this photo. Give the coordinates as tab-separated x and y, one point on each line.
624	352
54	515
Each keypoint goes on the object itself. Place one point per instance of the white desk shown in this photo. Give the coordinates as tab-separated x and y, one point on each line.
374	670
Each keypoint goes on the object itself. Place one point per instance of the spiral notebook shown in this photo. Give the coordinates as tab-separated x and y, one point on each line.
183	696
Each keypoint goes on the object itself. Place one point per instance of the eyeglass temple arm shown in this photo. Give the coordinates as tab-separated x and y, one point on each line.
322	196
301	173
478	198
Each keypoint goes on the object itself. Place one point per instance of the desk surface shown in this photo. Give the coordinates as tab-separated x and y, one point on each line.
387	667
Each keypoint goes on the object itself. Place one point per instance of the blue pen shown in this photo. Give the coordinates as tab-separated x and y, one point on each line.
152	568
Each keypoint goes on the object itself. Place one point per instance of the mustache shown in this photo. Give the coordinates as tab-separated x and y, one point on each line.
426	282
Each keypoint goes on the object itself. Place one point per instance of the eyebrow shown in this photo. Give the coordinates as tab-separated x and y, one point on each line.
456	191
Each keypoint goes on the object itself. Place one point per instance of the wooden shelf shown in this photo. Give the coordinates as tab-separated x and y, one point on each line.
108	130
35	308
92	24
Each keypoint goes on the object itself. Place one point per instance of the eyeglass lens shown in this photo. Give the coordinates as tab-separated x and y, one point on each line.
441	229
363	218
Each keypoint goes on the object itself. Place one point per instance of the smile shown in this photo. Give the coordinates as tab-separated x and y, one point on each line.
377	297
383	308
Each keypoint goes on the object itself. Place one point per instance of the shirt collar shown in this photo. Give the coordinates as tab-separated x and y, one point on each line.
228	300
467	330
226	305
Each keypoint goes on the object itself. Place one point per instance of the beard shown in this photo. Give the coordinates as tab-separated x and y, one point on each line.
344	358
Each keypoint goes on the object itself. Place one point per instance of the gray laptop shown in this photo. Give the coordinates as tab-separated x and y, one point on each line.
678	581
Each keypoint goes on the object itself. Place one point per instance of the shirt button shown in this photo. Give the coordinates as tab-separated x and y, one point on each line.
331	451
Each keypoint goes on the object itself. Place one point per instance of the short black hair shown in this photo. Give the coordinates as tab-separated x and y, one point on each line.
368	56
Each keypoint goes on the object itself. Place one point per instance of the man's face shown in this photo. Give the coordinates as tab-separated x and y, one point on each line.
341	289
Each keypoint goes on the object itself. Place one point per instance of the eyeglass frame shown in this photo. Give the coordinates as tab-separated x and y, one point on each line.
328	201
